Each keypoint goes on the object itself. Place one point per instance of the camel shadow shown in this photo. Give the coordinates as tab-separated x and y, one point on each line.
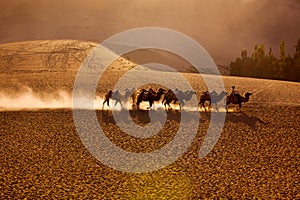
141	117
242	117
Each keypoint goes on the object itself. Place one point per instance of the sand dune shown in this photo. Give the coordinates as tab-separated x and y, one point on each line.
47	69
56	94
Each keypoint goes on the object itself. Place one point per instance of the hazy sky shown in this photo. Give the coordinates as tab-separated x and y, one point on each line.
223	27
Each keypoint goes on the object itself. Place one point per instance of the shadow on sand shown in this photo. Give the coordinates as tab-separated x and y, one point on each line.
236	117
244	118
142	117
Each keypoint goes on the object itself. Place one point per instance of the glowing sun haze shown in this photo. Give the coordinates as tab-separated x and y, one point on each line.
224	28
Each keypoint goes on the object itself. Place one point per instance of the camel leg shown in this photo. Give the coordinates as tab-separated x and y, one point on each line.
216	105
226	108
138	104
133	100
199	106
212	106
105	101
150	105
170	107
209	106
181	104
118	101
203	107
174	102
205	110
165	104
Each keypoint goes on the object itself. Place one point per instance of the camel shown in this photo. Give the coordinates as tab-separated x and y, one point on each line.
237	99
127	95
114	96
212	98
177	96
149	96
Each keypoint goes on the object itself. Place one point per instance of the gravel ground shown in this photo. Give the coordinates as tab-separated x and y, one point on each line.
257	156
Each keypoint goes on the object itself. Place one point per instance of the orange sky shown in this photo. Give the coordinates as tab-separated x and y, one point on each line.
224	28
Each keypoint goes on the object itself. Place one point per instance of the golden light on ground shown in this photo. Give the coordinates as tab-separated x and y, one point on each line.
157	185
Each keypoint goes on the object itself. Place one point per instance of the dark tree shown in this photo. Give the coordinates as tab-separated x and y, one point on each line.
262	65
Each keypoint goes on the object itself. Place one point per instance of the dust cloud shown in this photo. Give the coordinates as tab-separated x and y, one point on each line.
27	99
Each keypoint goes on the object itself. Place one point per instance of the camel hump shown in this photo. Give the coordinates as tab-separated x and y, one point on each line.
161	90
176	92
214	92
145	94
237	94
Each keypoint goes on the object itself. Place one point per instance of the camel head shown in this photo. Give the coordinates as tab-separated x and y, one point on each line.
247	95
223	92
191	92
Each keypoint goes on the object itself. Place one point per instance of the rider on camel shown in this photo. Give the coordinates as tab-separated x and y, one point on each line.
234	93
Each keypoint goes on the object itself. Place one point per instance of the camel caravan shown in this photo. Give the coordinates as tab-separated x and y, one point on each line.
167	98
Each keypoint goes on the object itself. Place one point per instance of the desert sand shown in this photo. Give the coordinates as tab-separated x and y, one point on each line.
42	157
257	156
